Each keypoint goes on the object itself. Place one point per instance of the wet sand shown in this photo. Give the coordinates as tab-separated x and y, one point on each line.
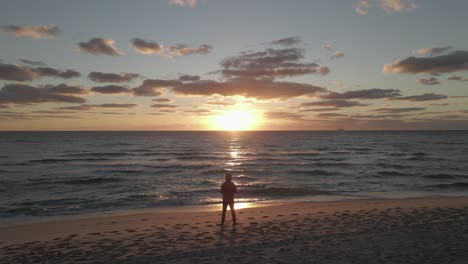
414	230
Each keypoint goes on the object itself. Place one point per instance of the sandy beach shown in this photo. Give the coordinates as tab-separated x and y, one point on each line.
414	230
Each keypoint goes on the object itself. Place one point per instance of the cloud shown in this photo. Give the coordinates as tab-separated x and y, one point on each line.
457	78
428	81
181	50
164	106
284	115
33	63
361	7
189	3
86	107
161	100
189	78
36	32
334	103
361	11
337	54
247	87
270	63
451	62
13	72
398	5
66	89
112	77
423	97
51	72
374	93
100	46
326	109
26	94
399	110
288	41
432	51
153	87
111	89
327	115
221	102
149	47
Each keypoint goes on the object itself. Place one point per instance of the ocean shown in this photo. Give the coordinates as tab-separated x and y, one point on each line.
44	174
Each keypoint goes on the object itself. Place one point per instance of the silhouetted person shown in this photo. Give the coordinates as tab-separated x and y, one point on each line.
228	189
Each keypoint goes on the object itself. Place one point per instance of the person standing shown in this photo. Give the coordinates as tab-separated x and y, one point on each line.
228	189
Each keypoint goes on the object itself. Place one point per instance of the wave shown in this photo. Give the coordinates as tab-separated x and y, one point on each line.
63	160
443	176
456	185
97	154
283	192
393	173
118	171
97	180
311	172
393	166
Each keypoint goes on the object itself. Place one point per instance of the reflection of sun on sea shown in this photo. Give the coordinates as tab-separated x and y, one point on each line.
235	120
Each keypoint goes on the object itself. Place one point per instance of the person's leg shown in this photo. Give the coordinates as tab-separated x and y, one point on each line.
224	212
233	212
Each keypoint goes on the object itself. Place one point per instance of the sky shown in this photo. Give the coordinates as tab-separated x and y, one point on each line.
233	65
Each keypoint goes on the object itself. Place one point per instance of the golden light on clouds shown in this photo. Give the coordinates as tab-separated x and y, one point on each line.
236	120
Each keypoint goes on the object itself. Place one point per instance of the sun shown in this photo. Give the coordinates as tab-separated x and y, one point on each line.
235	120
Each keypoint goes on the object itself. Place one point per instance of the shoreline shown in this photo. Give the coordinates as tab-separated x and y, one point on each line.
25	220
411	230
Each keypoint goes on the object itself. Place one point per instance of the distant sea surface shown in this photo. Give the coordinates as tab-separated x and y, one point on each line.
58	173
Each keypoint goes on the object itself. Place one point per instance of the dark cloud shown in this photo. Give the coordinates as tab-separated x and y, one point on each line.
147	47
86	107
334	103
327	109
51	72
153	87
99	46
26	94
189	78
252	88
112	77
164	106
451	62
374	93
150	47
328	115
161	100
423	97
33	63
111	89
284	115
288	41
66	89
37	32
270	63
13	72
432	51
457	78
399	110
428	81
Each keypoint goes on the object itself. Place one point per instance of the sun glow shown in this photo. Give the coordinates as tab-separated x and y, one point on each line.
235	120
